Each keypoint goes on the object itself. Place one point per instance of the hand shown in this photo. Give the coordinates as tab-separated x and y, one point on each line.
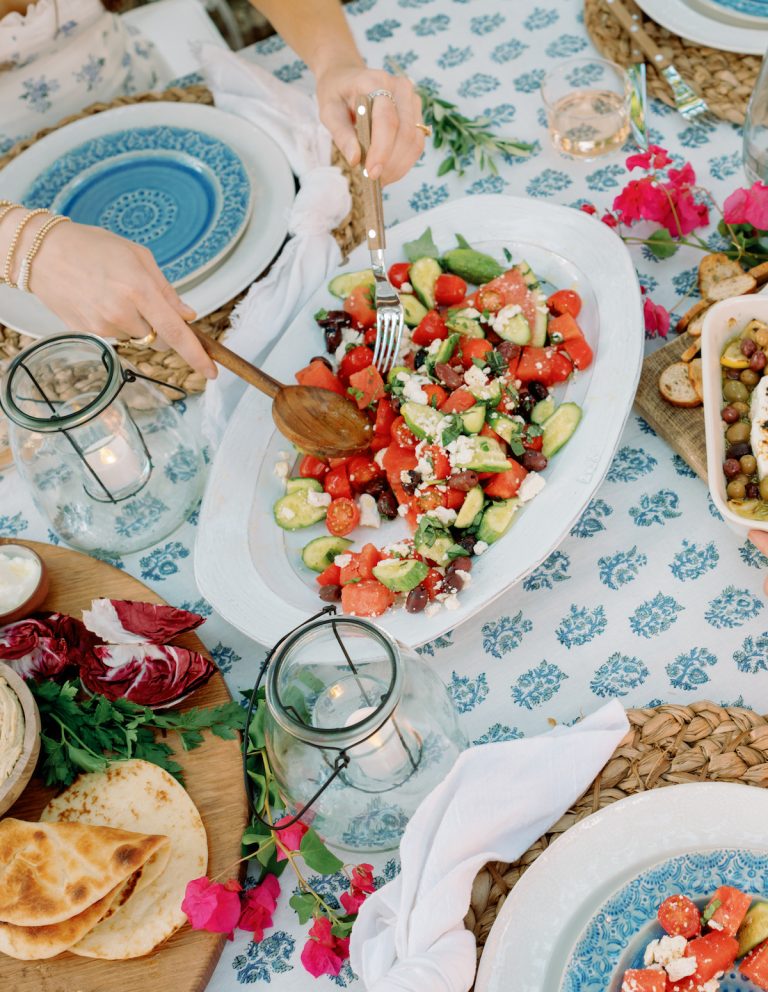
396	141
760	540
99	283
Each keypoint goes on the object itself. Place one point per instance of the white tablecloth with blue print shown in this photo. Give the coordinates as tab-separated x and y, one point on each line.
650	598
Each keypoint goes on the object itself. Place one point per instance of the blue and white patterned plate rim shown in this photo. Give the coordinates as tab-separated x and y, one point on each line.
216	158
599	956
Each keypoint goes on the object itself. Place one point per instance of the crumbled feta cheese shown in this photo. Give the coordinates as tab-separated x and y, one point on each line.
405	476
369	514
282	469
401	550
434	347
443	514
461	451
475	378
342	560
406	287
287	513
531	486
284	454
451	602
680	968
480	547
318	499
432	608
664	950
500	320
379	457
348	336
469	312
466	577
412	388
711	986
715	925
403	509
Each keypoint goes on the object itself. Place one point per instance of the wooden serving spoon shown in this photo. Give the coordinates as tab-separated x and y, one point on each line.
317	421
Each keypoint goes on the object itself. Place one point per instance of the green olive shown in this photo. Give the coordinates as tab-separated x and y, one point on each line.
761	337
748	464
735	391
738	432
764	489
736	489
750	378
741	478
742	408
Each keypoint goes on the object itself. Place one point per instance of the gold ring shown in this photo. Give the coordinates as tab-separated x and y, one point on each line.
425	129
146	341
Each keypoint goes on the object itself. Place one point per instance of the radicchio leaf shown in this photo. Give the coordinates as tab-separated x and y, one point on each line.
120	621
44	645
147	674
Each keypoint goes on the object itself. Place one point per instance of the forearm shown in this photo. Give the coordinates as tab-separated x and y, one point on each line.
316	30
8	227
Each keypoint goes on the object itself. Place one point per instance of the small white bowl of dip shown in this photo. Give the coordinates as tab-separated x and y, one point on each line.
19	736
23	582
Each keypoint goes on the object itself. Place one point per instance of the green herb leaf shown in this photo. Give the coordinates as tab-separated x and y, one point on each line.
661	243
508	256
496	363
317	856
303	904
454	429
423	247
462	241
321	314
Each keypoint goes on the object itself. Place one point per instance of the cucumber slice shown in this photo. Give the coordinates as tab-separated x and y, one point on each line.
487	456
293	511
473	266
497	520
394	373
413	311
342	285
296	484
438	551
516	329
422	276
489	393
754	928
444	353
539	330
319	554
468	327
542	411
505	427
400	575
473	418
423	421
559	428
528	275
472	505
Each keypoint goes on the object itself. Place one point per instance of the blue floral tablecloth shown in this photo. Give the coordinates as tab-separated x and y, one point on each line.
651	598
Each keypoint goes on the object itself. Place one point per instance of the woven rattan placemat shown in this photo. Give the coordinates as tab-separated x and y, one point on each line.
167	366
669	745
724	79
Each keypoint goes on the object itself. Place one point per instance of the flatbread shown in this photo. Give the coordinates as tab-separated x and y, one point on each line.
137	795
50	872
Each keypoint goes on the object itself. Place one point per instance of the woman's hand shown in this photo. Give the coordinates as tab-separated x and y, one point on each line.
760	540
396	141
99	283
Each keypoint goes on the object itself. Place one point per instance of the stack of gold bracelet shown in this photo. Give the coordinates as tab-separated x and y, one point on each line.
25	270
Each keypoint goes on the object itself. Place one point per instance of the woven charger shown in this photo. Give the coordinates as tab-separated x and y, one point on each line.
168	366
724	79
669	745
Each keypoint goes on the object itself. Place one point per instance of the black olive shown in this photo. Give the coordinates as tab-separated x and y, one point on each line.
538	390
332	338
468	543
330	594
323	359
420	358
738	450
417	600
375	487
411	483
387	505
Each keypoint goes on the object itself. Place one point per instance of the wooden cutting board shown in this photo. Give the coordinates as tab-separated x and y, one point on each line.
213	778
682	429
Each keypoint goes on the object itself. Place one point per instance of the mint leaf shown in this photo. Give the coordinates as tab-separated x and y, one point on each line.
661	244
317	856
462	241
321	314
452	431
303	904
508	256
423	247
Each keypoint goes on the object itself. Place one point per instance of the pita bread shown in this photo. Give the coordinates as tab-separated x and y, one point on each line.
50	872
137	795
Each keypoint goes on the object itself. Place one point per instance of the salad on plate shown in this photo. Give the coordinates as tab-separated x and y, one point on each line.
464	424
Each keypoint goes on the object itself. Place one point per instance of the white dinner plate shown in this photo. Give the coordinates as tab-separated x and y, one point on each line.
546	913
250	570
272	193
706	25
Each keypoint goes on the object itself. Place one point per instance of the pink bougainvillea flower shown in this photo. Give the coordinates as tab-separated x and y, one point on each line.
324	954
259	903
609	220
212	906
352	900
656	157
682	177
290	838
630	202
735	207
748	206
362	878
588	208
657	318
690	214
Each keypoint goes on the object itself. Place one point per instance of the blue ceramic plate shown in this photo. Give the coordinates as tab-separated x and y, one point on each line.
617	935
752	8
182	193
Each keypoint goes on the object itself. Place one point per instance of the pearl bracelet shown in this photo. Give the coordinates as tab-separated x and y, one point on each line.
14	244
26	265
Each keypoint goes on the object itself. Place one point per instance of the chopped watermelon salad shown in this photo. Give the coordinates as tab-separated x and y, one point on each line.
464	424
700	945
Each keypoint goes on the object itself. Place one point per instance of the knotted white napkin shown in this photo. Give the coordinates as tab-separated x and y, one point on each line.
290	118
495	802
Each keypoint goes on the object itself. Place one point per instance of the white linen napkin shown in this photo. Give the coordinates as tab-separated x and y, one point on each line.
290	118
495	802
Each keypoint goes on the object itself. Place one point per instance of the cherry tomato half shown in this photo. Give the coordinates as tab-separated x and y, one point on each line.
401	434
449	290
355	360
398	273
343	516
679	916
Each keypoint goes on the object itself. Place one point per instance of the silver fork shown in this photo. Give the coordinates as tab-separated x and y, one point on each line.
689	104
389	309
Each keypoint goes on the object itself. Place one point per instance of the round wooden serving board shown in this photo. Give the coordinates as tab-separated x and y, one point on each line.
213	778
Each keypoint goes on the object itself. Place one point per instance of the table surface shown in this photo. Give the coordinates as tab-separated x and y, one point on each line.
651	598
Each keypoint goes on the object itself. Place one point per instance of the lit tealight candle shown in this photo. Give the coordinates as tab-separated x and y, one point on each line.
380	755
116	464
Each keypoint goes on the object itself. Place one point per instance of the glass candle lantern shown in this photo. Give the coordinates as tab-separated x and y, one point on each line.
107	458
348	705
